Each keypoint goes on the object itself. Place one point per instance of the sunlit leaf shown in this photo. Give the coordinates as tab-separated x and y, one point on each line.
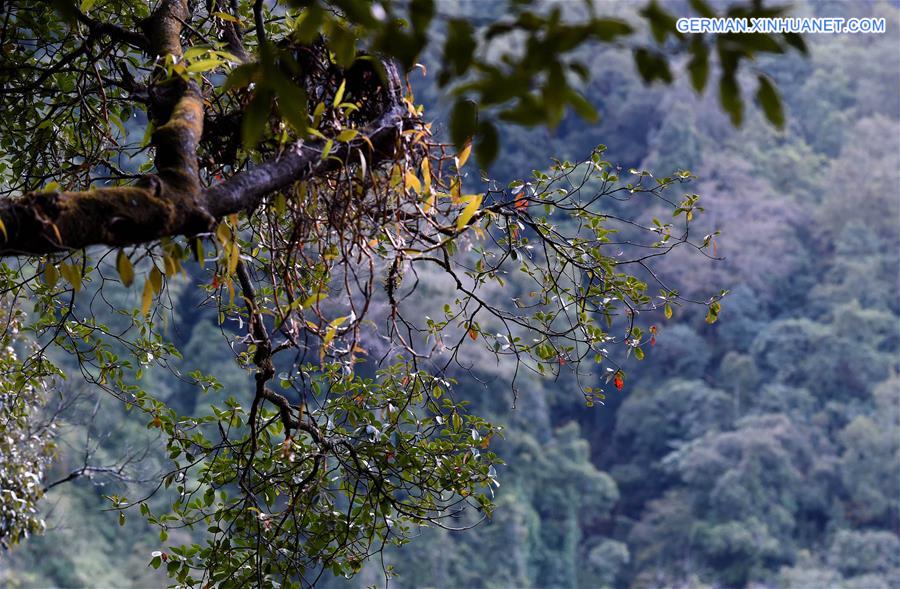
125	269
469	211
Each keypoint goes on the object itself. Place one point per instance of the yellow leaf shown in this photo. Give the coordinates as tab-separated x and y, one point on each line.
426	174
279	203
223	232
347	135
455	191
412	181
327	149
469	211
50	275
3	229
72	275
147	298
329	335
204	65
126	270
313	299
339	95
463	156
668	311
332	330
155	280
225	16
169	265
195	51
234	256
396	176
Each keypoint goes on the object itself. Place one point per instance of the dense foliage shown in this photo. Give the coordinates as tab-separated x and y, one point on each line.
763	450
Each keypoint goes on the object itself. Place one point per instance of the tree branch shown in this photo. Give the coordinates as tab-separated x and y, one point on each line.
96	28
172	202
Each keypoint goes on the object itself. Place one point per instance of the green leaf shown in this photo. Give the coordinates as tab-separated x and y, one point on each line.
343	45
459	49
241	76
770	101
582	106
488	144
463	122
662	24
526	112
86	5
652	66
796	41
760	42
255	118
713	314
698	66
291	103
607	29
702	8
730	97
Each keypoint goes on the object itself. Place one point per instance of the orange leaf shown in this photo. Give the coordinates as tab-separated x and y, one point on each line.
473	334
619	381
521	202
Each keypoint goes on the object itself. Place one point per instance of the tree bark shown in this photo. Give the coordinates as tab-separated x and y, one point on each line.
173	201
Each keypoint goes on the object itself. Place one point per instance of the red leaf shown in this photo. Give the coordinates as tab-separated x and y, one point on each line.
521	202
619	381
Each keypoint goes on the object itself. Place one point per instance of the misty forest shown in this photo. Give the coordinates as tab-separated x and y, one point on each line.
447	293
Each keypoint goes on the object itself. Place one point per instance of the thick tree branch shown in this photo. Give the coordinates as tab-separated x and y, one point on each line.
97	28
242	192
172	202
158	205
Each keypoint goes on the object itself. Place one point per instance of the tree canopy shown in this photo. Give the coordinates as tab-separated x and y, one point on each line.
271	156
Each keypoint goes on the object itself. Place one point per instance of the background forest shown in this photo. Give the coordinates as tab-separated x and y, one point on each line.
763	450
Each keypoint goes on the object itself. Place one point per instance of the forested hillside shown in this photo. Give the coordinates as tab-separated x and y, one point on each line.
761	450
